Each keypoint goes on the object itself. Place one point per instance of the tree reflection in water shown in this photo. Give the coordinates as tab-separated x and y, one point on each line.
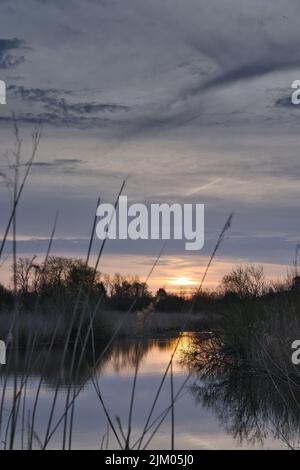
123	353
250	404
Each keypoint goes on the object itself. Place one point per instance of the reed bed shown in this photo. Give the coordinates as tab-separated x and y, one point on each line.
256	332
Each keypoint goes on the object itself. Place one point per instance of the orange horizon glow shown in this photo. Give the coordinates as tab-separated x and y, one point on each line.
182	281
175	273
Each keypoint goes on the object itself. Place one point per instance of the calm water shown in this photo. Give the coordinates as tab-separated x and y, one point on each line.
220	412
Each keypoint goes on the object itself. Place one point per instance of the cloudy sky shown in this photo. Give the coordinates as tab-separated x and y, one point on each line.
188	99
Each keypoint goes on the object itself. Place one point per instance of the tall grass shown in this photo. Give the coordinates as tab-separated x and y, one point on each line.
54	328
258	332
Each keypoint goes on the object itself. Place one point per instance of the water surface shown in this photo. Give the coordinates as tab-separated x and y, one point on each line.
220	412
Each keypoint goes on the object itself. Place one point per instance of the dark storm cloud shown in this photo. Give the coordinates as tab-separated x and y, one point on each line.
62	165
55	119
63	161
249	71
57	163
36	94
40	164
90	108
198	90
285	102
247	54
7	59
117	43
57	110
51	100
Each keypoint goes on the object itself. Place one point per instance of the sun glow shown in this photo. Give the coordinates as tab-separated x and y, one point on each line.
182	281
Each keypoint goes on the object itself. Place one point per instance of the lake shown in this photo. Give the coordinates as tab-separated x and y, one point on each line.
222	411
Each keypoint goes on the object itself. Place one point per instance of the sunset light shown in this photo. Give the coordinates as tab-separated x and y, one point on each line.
182	281
150	229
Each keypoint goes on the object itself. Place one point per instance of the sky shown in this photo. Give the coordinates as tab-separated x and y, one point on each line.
188	100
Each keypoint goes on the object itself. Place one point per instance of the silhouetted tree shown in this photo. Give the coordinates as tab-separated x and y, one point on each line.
248	282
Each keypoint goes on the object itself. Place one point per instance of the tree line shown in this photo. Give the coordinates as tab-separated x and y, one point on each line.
58	280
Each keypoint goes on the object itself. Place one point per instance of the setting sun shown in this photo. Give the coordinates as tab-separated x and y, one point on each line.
182	281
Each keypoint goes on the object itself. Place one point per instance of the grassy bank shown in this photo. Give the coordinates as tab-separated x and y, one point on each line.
132	325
